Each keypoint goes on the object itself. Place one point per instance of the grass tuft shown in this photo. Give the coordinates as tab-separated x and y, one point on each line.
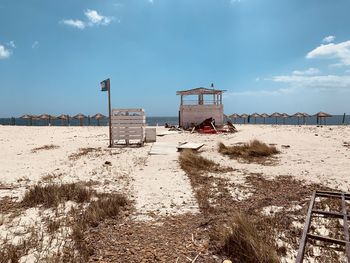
251	151
45	147
53	194
242	243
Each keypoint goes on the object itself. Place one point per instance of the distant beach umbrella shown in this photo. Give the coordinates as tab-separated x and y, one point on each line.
234	116
244	116
284	116
276	115
305	115
322	116
64	118
46	117
80	117
255	115
298	115
29	118
98	117
264	115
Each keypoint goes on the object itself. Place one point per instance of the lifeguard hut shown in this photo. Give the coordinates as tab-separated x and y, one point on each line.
199	104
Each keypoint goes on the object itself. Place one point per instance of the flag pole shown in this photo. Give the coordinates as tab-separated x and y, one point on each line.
109	113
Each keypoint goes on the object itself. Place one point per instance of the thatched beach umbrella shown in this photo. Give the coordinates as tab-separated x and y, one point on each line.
284	116
322	115
255	115
244	116
80	117
29	118
98	117
299	115
264	115
305	115
64	118
47	117
276	115
234	116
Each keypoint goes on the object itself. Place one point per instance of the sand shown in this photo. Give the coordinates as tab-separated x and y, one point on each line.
156	183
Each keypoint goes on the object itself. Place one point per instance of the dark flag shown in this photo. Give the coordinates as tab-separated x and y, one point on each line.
105	85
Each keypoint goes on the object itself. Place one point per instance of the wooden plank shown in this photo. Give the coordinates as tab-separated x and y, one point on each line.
191	146
128	110
328	213
128	118
129	125
127	122
327	239
128	136
346	228
329	195
302	244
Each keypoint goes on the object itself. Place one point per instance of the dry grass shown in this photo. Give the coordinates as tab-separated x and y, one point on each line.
192	163
105	207
252	151
45	147
241	242
82	152
53	194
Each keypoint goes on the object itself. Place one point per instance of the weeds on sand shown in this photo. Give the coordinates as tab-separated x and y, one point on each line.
53	194
253	151
241	242
106	206
45	147
82	152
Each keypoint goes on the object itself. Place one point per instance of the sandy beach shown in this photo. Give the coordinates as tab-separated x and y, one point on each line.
156	185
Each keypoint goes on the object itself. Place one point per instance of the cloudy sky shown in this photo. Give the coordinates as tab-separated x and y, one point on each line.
271	55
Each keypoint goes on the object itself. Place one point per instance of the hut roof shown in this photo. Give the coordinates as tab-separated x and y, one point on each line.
305	114
276	114
298	114
198	91
63	117
46	116
255	115
79	116
244	115
264	115
285	115
26	116
98	116
323	114
234	115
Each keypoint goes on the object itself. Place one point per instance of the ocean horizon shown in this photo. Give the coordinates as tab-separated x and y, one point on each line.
173	120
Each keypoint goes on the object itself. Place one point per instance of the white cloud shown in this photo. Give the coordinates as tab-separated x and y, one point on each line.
328	39
4	53
340	51
316	82
74	23
309	71
11	44
35	44
151	1
95	18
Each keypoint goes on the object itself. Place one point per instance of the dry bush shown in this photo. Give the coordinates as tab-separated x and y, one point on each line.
242	243
251	151
53	194
105	207
82	152
192	163
53	226
45	147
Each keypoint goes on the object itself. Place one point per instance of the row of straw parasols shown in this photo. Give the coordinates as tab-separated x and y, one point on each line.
63	117
320	116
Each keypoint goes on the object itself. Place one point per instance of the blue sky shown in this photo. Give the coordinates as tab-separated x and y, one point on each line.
271	55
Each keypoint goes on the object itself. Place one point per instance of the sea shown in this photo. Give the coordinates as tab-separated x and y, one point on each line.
160	121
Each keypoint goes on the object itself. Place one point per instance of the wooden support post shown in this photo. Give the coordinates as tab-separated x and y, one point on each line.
109	112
